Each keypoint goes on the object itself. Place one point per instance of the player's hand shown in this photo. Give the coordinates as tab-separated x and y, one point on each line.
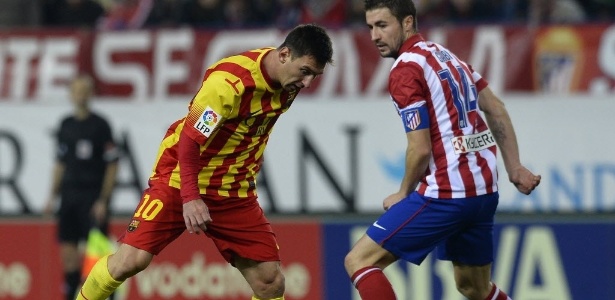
196	216
524	180
49	207
99	211
392	200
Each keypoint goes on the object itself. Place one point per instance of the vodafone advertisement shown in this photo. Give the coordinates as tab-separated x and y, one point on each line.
161	65
535	259
189	268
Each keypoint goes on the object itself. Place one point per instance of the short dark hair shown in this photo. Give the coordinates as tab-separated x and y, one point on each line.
310	39
399	8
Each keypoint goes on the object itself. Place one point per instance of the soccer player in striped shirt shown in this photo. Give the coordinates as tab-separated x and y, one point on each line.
204	178
449	194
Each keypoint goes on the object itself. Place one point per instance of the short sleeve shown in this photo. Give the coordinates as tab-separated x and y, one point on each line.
407	84
480	82
408	90
216	100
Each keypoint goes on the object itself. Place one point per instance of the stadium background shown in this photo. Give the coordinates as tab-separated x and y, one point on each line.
331	159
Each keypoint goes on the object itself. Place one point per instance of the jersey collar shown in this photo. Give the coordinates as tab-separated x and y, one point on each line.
411	41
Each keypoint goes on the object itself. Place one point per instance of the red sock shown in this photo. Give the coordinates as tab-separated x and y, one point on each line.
497	294
372	284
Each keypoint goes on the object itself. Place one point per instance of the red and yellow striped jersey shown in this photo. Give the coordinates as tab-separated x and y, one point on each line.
231	118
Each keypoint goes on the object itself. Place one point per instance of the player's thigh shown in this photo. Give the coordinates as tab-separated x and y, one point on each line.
240	229
473	245
157	221
413	227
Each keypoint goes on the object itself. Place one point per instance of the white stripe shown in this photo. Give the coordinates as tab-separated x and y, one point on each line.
497	292
363	275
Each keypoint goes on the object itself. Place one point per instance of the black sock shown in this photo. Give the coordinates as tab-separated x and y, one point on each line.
72	280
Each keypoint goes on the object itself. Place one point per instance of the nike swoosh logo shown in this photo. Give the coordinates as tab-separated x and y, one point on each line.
255	113
378	225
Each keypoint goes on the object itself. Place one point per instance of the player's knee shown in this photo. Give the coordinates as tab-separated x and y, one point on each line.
471	291
125	265
269	286
352	262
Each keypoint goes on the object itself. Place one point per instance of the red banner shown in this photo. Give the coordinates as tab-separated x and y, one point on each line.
167	64
189	268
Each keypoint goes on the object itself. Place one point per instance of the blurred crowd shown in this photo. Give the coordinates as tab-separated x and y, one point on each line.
283	14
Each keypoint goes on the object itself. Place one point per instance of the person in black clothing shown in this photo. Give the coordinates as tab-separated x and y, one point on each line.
203	14
83	178
72	13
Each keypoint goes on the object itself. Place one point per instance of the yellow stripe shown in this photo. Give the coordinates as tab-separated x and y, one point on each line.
168	143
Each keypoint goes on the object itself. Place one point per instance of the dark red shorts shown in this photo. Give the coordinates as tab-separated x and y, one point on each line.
239	226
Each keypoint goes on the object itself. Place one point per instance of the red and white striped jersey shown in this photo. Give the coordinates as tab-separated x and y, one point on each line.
433	89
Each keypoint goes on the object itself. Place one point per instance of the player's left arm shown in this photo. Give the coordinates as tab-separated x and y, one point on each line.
501	127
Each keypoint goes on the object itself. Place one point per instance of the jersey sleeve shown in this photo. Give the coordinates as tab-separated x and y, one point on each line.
218	98
408	90
480	82
188	152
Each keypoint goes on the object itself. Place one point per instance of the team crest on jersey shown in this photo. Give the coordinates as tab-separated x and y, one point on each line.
412	118
207	122
133	225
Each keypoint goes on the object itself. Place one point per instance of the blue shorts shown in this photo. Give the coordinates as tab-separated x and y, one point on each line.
462	229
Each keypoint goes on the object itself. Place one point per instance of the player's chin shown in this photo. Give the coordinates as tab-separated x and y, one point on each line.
387	54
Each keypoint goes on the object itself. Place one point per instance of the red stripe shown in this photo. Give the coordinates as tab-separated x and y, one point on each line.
218	143
486	172
422	187
253	55
251	160
441	161
464	168
266	101
168	159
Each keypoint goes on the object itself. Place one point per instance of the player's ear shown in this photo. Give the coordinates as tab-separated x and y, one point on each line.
284	54
408	23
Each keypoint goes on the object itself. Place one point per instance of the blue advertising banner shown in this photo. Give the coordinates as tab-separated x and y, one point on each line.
533	260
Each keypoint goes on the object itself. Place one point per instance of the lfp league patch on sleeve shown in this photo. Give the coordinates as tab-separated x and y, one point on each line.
207	121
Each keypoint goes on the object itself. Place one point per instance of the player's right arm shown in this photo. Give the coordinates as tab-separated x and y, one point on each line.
215	102
195	212
418	153
501	127
407	88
